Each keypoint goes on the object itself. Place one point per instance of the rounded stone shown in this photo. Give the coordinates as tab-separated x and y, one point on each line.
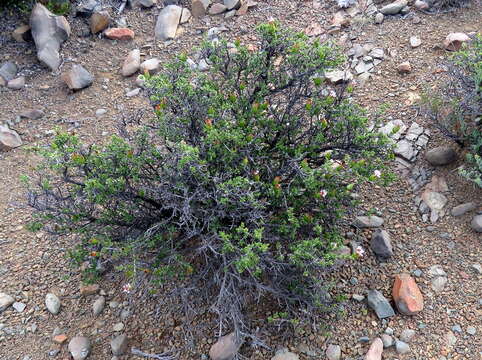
52	302
79	347
441	155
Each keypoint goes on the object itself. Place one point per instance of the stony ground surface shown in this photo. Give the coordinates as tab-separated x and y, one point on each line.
32	265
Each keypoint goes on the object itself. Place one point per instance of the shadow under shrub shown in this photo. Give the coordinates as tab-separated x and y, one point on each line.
237	188
457	108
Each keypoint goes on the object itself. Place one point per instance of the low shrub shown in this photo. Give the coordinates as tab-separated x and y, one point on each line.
235	191
457	108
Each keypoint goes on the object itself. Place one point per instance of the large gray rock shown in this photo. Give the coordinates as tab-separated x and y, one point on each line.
393	8
333	352
5	301
402	347
441	155
381	244
52	302
225	348
49	32
79	347
8	71
375	351
9	139
17	84
131	63
119	345
379	304
232	4
476	223
405	149
77	78
368	221
167	22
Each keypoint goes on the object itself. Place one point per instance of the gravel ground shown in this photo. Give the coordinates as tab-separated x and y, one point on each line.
32	265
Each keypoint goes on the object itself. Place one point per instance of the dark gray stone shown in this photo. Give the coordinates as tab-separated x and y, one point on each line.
476	223
381	244
368	221
442	155
379	304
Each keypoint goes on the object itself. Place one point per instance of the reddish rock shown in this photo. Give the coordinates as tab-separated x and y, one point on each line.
375	351
119	34
60	339
454	41
407	295
86	290
225	348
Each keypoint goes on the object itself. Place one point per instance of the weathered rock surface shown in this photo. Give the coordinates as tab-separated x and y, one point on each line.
22	34
99	21
98	306
77	78
119	345
8	71
377	302
476	223
333	352
375	351
5	301
17	83
199	7
462	209
407	295
284	354
225	348
454	41
338	76
49	32
52	302
79	347
216	9
381	244
119	34
393	8
132	63
151	66
167	22
9	139
441	155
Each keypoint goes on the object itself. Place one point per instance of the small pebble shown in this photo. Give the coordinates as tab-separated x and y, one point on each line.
471	330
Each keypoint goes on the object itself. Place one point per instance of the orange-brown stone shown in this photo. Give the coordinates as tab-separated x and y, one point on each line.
119	34
60	339
407	295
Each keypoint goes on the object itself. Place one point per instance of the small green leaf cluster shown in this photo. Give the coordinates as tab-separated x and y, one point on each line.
236	188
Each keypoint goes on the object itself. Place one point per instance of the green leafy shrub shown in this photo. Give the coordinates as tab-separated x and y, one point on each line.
457	108
235	190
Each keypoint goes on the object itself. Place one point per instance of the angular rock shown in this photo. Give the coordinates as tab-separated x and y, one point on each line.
441	155
87	7
338	76
387	340
377	302
49	32
9	139
217	9
405	150
404	68
454	41
52	302
185	16
225	348
375	351
462	209
77	77
167	22
79	347
371	221
99	21
199	7
232	4
8	71
119	34
393	8
333	352
434	200
476	223
402	347
98	306
150	66
436	270
19	307
5	300
17	84
22	33
60	339
340	19
407	295
381	244
132	63
119	345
